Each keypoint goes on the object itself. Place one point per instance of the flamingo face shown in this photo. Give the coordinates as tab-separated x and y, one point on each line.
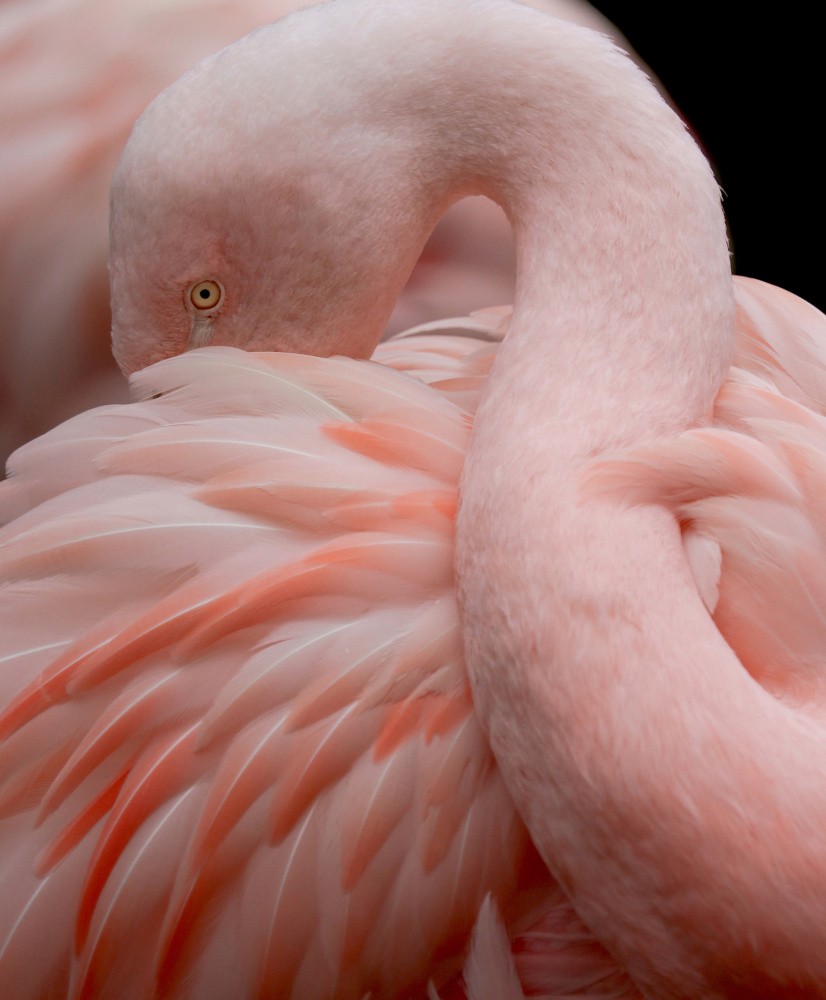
280	269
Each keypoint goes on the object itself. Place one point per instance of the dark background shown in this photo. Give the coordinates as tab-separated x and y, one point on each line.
752	88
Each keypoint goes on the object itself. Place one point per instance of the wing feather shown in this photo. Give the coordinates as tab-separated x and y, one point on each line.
490	971
245	740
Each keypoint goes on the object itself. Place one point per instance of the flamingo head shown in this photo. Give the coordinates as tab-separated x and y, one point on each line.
250	210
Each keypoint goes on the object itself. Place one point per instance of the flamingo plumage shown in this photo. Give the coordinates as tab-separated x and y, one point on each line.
239	750
255	595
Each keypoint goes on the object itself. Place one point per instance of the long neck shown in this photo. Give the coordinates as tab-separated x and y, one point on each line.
653	773
651	770
679	804
371	117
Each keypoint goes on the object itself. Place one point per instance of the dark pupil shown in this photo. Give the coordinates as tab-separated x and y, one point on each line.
204	293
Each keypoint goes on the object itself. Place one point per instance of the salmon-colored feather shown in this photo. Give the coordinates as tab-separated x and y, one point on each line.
280	713
409	438
159	775
73	833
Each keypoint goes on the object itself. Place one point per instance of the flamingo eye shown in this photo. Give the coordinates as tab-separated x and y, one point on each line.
206	294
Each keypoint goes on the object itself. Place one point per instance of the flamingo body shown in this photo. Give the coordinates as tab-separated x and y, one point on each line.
239	754
238	740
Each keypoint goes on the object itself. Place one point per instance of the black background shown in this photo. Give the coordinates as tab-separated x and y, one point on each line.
751	86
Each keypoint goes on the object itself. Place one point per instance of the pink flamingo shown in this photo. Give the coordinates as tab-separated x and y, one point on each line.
239	755
74	76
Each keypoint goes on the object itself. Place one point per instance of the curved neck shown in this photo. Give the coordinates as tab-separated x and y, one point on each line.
624	303
651	770
421	102
604	686
643	758
641	755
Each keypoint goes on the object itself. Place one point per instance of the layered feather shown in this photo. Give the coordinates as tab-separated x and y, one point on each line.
239	754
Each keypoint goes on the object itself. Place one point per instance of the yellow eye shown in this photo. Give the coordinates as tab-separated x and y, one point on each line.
205	295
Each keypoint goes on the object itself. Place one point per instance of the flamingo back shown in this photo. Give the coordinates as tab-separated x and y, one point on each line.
238	753
255	735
